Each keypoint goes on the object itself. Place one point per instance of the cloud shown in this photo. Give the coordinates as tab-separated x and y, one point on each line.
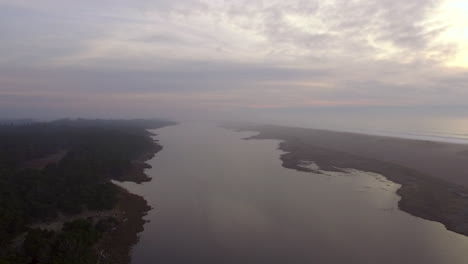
253	30
213	54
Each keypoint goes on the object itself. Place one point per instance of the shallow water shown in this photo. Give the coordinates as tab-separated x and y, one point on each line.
220	199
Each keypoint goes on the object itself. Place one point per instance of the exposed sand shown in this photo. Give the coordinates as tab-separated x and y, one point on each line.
433	175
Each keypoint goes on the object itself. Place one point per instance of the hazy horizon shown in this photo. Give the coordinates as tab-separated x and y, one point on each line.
327	63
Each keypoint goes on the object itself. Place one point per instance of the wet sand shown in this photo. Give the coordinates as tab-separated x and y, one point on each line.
433	175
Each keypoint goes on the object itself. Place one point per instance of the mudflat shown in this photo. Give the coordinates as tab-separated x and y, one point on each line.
433	175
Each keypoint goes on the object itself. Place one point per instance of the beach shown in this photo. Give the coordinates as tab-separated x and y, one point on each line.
433	175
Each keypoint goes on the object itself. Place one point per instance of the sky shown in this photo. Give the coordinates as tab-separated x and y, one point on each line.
243	59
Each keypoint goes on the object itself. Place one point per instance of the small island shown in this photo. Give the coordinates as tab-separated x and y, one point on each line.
57	201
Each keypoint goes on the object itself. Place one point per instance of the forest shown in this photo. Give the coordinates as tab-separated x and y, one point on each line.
95	151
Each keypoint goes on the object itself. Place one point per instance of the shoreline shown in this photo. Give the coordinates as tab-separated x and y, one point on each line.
137	173
129	211
62	189
422	195
117	244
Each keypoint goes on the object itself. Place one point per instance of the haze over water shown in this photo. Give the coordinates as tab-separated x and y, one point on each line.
404	125
220	199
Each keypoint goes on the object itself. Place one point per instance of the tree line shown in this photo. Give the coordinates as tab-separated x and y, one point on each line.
96	151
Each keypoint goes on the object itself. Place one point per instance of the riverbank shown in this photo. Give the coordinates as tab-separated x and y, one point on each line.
115	246
56	177
432	175
127	215
137	173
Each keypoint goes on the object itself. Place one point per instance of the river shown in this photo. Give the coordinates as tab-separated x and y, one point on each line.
220	199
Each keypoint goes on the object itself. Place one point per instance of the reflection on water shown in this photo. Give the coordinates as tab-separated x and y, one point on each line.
220	199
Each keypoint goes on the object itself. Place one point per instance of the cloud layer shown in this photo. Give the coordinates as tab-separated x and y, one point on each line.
142	57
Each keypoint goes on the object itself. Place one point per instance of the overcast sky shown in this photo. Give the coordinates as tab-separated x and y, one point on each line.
141	58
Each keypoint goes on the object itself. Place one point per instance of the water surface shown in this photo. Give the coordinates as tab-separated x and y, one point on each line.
220	199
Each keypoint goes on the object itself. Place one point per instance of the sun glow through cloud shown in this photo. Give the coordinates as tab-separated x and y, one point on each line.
454	13
222	54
